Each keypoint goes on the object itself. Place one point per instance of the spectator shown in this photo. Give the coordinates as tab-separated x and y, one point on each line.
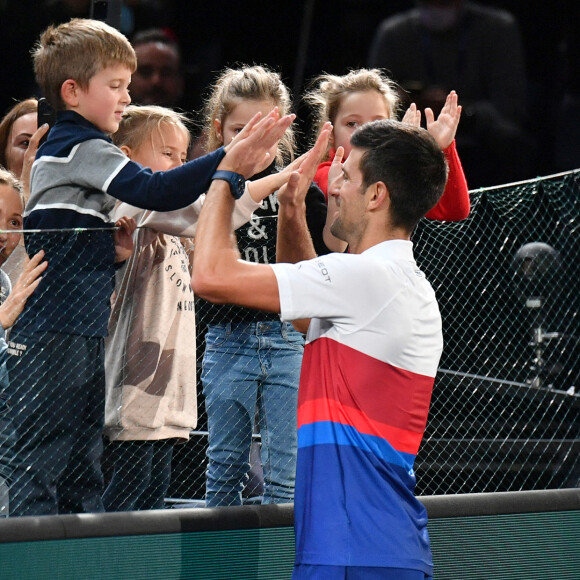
364	95
444	45
151	383
251	358
12	301
19	140
158	79
16	130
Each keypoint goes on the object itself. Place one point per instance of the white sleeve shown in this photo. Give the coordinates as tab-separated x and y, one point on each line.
183	222
324	287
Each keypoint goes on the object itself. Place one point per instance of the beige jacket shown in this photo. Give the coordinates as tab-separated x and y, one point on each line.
150	353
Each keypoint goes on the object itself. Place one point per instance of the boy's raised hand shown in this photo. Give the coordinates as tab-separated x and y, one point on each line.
249	151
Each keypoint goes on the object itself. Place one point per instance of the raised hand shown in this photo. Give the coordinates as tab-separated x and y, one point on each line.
444	128
251	149
261	188
295	189
335	171
24	287
412	116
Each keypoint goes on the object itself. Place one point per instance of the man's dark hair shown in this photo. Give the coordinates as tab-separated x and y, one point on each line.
408	161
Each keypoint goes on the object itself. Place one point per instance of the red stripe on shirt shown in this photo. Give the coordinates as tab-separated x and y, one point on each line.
381	393
317	410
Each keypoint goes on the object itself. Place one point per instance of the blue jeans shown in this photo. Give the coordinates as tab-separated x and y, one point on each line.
251	366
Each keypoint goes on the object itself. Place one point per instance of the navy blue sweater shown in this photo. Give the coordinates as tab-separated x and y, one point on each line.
76	178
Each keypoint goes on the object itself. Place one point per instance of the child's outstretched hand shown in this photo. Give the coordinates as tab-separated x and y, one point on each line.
249	151
261	188
412	116
124	228
24	287
444	128
293	192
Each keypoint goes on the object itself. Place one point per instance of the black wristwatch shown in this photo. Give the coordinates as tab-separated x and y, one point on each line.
236	181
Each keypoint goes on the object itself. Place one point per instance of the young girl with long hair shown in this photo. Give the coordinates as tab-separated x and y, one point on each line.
252	360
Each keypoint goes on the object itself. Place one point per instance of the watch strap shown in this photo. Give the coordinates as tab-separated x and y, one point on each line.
236	180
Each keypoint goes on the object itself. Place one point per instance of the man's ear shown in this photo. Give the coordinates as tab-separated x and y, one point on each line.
69	93
379	195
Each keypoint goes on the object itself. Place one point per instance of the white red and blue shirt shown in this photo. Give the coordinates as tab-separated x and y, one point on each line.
373	347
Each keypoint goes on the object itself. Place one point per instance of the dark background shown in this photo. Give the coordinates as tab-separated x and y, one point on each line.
301	39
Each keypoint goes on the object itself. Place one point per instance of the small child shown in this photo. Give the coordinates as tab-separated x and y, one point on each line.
12	301
252	360
57	371
364	95
151	399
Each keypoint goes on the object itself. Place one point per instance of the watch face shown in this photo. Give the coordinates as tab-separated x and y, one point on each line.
238	183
